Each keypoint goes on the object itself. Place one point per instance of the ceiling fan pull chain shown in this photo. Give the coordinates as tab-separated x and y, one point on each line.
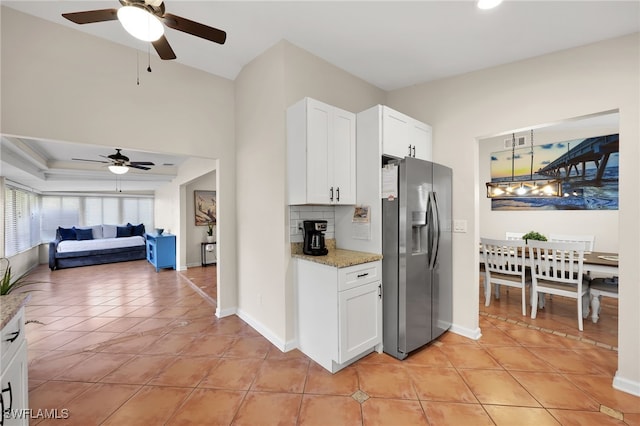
149	53
137	68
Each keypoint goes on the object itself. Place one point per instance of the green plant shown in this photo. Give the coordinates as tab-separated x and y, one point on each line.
8	284
210	229
533	235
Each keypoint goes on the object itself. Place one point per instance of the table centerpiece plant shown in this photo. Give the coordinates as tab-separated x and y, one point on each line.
533	235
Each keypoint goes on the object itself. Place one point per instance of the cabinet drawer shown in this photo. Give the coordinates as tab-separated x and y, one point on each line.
354	276
12	337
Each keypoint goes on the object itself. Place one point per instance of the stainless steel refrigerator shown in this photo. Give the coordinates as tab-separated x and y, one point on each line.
416	248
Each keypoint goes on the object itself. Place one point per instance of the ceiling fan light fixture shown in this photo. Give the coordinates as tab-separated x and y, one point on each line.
118	169
488	4
141	24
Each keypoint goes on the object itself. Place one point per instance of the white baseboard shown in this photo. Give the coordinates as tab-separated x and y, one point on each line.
259	327
266	333
225	312
291	345
626	385
466	332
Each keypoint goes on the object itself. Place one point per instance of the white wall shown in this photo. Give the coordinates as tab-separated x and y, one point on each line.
573	83
65	85
276	79
603	224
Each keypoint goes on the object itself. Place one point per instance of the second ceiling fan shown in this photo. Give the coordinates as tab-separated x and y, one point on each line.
145	20
119	163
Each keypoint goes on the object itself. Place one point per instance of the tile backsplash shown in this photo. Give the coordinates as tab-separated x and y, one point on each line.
298	213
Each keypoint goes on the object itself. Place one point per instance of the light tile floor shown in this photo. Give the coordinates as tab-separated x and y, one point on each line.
123	345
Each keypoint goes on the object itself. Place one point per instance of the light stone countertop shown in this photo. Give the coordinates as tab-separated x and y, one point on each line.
10	304
337	258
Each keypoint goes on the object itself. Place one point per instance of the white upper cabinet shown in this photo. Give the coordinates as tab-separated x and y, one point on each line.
321	147
403	136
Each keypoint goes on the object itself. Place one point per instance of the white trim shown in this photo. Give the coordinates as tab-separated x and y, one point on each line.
266	333
225	312
466	332
626	385
291	345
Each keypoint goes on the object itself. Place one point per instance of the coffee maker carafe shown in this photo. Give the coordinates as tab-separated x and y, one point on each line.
314	237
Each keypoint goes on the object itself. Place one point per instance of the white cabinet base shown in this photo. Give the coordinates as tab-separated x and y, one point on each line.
339	312
13	379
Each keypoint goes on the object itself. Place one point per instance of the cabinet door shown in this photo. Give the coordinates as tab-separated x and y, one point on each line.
343	153
14	389
395	133
360	319
420	138
319	166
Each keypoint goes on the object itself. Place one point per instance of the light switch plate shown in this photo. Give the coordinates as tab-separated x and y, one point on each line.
460	225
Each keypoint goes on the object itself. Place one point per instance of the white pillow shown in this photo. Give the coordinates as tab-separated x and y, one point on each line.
109	231
97	232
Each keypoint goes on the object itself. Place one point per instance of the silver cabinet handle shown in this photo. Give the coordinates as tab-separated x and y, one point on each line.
363	275
338	194
331	192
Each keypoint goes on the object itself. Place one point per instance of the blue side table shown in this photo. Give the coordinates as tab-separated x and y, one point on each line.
161	250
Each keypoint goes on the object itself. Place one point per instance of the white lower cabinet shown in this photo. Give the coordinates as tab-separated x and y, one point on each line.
13	381
339	312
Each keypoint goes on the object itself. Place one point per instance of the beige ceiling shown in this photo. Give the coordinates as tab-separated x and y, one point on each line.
390	44
50	166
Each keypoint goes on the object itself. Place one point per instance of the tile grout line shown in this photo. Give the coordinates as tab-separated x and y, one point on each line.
549	331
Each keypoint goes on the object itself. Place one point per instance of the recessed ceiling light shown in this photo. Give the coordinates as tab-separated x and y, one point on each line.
488	4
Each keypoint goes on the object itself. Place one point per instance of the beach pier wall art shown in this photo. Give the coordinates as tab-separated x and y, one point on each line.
586	168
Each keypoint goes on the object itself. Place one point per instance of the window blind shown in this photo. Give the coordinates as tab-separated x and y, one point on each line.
68	211
22	220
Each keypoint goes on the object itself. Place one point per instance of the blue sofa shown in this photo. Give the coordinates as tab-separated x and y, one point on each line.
96	245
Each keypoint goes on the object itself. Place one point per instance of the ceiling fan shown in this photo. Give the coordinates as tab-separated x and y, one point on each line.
119	163
144	20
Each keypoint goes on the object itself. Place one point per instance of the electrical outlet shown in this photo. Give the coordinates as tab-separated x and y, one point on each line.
300	227
460	226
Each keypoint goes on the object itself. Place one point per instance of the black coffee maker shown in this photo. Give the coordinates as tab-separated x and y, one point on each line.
314	237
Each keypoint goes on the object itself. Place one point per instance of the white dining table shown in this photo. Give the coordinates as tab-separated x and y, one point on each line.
603	263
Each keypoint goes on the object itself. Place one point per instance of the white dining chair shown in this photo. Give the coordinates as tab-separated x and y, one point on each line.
587	240
557	268
504	264
514	235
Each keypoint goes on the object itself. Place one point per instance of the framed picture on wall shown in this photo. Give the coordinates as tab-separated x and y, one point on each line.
205	207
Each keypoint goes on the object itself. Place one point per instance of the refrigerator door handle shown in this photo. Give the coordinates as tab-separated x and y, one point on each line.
435	226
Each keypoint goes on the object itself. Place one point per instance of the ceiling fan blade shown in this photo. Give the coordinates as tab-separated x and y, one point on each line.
194	28
135	166
91	16
142	163
163	48
93	161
